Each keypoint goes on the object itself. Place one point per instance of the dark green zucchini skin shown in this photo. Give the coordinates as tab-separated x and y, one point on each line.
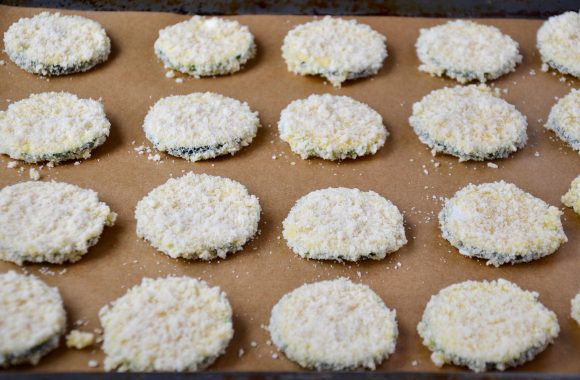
35	67
33	355
79	152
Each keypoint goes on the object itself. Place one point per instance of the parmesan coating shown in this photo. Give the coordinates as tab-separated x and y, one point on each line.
470	122
199	126
32	319
575	311
55	44
486	326
558	43
331	127
204	46
52	126
334	48
178	324
344	224
467	51
334	325
572	197
51	222
198	216
501	223
564	119
79	339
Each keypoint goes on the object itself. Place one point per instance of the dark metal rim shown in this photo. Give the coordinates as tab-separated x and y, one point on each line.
425	8
296	376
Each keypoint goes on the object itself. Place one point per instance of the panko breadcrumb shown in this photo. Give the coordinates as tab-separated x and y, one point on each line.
198	216
470	122
467	51
51	222
79	339
34	174
334	48
204	46
575	308
572	196
55	44
334	325
558	43
486	326
177	324
331	127
344	224
501	223
32	319
564	119
52	126
199	126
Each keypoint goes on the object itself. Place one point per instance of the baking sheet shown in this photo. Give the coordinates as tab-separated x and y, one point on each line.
404	171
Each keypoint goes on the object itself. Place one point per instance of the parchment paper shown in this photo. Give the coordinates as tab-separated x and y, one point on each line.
254	279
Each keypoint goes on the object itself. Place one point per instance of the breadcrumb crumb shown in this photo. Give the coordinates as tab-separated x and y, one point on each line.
79	339
34	174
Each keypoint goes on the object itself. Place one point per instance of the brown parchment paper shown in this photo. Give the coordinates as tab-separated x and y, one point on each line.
254	279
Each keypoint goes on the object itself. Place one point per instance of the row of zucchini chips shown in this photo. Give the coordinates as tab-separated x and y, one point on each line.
470	122
334	48
199	216
183	324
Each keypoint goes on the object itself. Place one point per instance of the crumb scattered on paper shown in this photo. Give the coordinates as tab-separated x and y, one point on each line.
34	174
